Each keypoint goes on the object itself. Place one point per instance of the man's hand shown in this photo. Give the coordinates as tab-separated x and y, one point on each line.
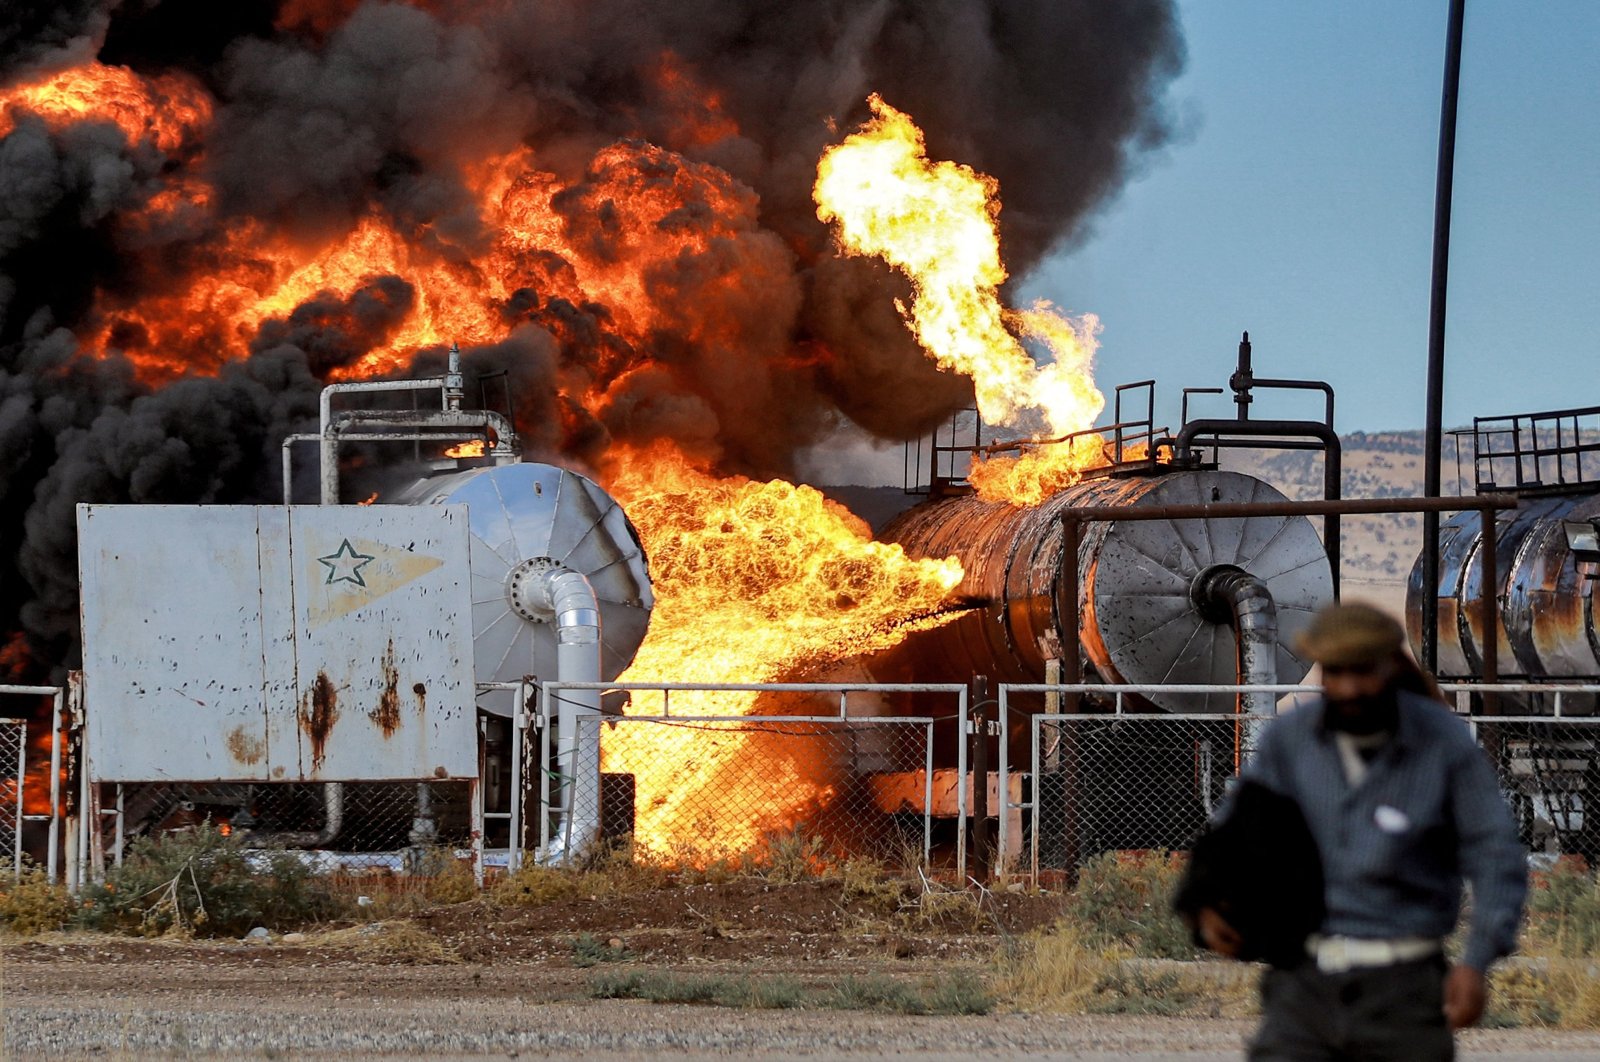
1465	993
1218	935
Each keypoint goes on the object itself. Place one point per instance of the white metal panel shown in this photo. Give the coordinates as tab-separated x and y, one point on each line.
269	644
384	643
172	641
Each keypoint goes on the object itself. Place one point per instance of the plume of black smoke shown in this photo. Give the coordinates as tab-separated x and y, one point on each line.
338	108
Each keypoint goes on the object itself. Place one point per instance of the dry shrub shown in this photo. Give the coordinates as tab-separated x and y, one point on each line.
1578	985
1053	971
1125	898
1564	910
533	886
389	942
30	905
204	882
790	858
609	873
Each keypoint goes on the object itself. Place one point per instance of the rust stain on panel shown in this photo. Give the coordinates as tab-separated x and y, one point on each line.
422	700
387	713
245	747
319	710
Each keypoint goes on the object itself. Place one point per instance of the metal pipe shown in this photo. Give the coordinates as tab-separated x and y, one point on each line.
1332	465
1346	507
1227	593
330	443
347	426
1432	434
333	822
1491	605
53	846
568	595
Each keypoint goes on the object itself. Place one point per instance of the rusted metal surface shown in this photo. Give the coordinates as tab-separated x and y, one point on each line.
243	643
1125	595
1545	626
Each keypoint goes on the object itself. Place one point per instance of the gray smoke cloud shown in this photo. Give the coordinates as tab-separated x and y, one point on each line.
762	338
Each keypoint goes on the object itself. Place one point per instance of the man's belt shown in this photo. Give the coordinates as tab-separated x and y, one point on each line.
1342	954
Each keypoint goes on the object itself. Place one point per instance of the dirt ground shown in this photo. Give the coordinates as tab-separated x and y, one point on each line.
476	980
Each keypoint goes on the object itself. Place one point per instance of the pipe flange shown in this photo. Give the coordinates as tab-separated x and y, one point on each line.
1209	591
523	593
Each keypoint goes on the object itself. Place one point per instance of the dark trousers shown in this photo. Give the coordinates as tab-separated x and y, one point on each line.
1378	1014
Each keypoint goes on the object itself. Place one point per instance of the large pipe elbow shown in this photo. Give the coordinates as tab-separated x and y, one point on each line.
1228	594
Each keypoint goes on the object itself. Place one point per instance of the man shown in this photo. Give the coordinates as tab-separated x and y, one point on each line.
1402	804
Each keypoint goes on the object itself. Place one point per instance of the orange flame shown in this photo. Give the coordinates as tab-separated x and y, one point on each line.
166	110
754	582
470	448
936	222
757	581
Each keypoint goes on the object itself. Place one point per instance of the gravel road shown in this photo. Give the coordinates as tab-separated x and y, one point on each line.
194	1009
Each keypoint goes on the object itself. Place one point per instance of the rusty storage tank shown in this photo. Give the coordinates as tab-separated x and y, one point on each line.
1547	622
1152	594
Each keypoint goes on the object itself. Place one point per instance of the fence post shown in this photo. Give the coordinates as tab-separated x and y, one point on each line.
980	777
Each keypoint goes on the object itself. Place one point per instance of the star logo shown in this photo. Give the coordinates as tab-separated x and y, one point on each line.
345	564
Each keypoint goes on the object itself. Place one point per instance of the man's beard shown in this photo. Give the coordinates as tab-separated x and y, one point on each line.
1362	716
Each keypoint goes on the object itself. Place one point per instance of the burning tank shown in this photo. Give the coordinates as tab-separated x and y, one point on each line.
559	589
1158	601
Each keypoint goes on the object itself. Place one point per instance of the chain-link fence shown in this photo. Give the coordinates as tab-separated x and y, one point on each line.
1109	782
696	775
347	827
13	776
1550	772
1106	780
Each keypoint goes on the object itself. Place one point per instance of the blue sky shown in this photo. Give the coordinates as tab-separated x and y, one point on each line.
1297	203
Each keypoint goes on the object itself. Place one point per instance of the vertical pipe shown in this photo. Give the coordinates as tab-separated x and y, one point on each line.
927	794
1035	726
544	771
122	797
1002	789
519	719
1444	181
980	776
477	830
961	785
1491	605
22	772
53	849
1072	675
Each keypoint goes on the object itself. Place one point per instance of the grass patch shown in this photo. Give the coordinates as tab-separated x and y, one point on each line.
589	950
1054	971
1133	991
388	942
952	994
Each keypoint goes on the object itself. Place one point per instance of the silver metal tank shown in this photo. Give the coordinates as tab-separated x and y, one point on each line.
1547	623
526	519
1139	618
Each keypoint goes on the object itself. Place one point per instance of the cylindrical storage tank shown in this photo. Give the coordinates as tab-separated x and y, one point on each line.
1140	619
525	519
1547	624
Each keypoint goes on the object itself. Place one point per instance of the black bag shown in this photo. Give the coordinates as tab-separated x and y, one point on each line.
1258	868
